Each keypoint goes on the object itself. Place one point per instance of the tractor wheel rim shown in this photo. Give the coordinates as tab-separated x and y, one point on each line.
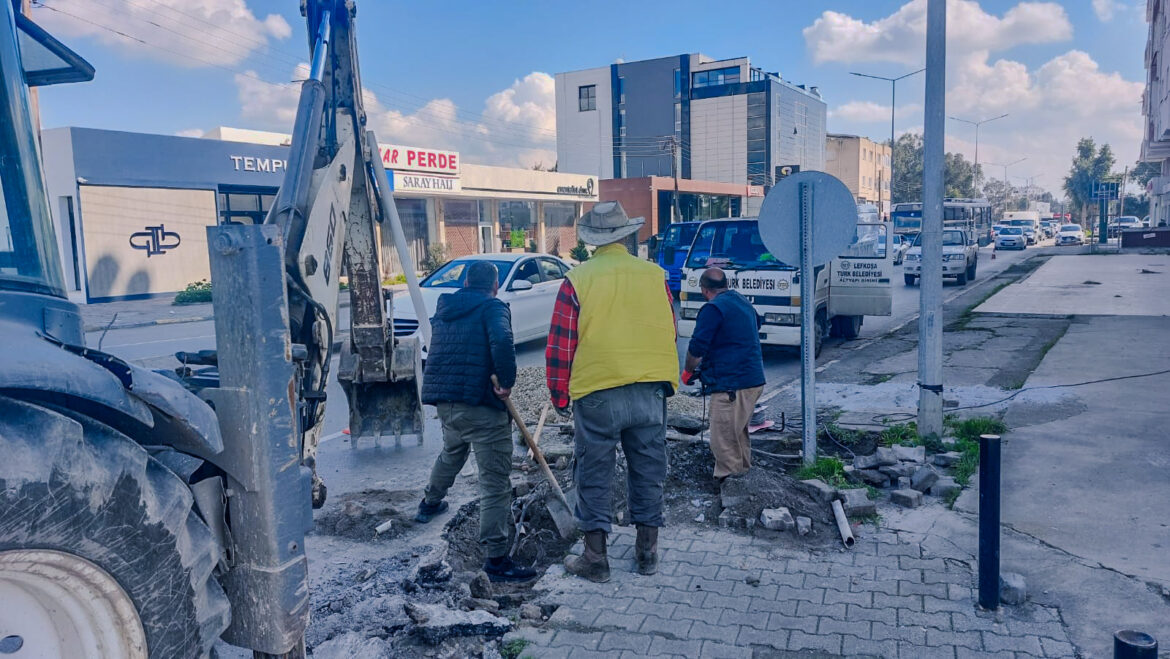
58	604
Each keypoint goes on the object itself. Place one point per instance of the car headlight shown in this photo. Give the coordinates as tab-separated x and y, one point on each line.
954	257
689	313
780	318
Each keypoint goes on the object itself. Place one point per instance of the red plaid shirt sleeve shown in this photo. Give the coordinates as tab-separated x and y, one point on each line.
562	344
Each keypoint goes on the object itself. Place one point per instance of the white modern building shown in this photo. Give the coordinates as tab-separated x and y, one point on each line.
1156	108
690	116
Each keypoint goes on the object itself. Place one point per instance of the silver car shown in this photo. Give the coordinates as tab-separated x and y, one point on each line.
1011	238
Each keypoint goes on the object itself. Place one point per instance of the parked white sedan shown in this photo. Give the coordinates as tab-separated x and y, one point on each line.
1070	234
528	283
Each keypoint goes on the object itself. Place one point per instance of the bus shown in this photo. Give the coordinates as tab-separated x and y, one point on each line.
672	251
971	215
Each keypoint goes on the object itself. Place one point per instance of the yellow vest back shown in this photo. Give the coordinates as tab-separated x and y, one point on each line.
625	332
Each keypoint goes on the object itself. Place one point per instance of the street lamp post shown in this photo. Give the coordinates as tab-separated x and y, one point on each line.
1005	166
893	97
977	124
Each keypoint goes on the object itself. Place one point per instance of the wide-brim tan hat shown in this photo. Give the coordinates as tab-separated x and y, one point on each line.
607	223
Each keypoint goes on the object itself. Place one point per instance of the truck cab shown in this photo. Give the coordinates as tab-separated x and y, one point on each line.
852	286
672	251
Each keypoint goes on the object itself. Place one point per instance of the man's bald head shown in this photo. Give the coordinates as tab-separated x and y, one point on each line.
713	280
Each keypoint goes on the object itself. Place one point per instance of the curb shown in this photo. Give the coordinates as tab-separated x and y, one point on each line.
164	321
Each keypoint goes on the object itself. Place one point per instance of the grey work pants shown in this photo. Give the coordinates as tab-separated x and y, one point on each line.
488	431
635	415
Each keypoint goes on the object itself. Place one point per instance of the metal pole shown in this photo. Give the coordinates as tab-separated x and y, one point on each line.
930	317
808	305
976	173
989	521
1103	224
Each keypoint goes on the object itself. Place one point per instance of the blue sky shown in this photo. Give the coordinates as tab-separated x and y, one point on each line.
467	75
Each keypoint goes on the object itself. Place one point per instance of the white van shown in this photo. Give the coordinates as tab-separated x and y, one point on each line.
852	286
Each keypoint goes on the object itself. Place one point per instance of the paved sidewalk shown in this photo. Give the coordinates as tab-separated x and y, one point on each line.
141	313
888	597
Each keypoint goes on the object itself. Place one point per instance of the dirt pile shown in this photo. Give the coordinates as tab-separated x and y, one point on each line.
357	515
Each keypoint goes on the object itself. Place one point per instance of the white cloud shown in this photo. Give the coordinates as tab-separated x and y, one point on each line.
901	36
193	34
870	112
1050	105
516	127
1104	9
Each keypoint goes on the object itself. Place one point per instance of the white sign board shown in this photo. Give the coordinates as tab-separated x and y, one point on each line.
409	182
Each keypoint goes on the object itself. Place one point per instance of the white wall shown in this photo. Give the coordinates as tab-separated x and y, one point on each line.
61	181
719	139
585	139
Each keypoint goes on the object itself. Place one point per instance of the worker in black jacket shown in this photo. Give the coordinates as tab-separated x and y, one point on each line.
471	339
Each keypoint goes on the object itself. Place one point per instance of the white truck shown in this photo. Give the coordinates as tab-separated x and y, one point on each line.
960	257
852	286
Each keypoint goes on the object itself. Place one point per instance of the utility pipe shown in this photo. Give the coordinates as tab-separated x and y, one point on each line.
843	525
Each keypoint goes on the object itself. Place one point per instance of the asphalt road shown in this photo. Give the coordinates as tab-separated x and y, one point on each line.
370	463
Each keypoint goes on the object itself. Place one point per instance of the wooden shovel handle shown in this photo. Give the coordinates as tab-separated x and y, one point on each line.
532	446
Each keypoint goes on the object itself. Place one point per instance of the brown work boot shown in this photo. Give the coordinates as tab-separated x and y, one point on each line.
646	550
592	564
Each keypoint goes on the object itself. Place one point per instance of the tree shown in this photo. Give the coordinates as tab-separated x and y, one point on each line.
908	161
1002	196
1142	172
1089	165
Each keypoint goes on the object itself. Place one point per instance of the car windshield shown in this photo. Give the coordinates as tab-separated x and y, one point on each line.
453	274
1071	227
681	235
951	238
736	245
1012	231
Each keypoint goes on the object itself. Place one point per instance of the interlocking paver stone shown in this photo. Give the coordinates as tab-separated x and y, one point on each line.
887	598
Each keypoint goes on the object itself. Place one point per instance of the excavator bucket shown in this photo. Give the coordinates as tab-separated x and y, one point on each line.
384	403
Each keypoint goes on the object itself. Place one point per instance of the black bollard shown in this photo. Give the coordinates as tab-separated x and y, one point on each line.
1128	644
989	521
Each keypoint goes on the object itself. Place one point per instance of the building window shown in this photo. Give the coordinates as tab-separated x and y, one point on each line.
678	118
677	83
587	98
621	90
724	76
622	122
241	207
757	139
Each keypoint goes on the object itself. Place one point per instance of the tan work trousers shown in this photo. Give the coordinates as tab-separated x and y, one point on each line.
730	414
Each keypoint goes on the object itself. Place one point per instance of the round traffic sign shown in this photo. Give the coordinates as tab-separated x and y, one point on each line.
834	217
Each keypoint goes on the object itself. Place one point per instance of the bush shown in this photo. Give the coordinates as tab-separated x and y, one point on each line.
517	237
195	293
437	255
399	278
580	253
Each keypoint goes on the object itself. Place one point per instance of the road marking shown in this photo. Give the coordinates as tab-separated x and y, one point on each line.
330	436
172	340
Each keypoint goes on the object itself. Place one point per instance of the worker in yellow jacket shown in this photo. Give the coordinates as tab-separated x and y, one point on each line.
611	353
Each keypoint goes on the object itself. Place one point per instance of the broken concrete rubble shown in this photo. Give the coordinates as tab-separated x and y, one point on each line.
685	423
910	453
819	490
945	487
435	623
803	525
903	483
883	456
923	478
481	586
1012	588
899	470
856	503
947	459
872	477
906	498
777	519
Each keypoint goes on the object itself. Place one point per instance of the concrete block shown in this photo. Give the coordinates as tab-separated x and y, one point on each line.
819	490
881	457
923	478
803	525
945	487
947	459
872	477
856	503
894	472
906	498
726	519
910	453
903	483
777	519
1012	589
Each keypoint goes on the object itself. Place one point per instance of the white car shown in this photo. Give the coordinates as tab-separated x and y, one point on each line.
1011	238
901	246
528	283
1070	234
960	258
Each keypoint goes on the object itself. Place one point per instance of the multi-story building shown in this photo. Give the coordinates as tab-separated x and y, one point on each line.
863	165
688	116
1156	108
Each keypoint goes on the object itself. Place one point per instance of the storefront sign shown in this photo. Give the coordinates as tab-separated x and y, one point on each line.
155	240
414	159
578	190
407	182
254	164
755	191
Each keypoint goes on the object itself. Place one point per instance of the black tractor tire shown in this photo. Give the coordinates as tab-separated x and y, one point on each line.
71	484
909	279
961	278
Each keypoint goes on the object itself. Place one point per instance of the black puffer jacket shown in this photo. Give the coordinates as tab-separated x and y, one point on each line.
471	338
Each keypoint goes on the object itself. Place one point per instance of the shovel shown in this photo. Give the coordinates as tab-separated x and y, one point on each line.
558	506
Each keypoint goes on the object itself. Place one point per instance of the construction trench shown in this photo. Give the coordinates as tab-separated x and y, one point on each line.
388	586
